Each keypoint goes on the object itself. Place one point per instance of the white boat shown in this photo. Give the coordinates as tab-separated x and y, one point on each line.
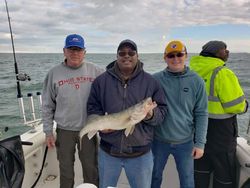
34	154
49	178
50	175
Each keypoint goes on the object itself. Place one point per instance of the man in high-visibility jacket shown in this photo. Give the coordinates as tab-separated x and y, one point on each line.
225	100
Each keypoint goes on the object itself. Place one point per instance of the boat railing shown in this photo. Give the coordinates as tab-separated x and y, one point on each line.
248	132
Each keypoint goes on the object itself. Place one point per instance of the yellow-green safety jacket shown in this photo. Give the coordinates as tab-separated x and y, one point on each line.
225	95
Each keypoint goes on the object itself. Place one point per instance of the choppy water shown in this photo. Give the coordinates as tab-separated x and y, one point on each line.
37	65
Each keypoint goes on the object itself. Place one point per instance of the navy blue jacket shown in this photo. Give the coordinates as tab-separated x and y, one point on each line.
109	93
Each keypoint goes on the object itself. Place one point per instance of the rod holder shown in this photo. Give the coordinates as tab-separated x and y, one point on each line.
21	107
31	104
39	98
248	132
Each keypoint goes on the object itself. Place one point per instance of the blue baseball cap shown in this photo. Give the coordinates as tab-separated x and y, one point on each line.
74	40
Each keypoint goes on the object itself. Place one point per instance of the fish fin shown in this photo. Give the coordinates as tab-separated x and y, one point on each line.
132	129
91	134
80	143
129	130
137	116
81	134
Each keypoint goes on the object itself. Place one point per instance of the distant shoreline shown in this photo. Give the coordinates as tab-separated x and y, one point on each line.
109	53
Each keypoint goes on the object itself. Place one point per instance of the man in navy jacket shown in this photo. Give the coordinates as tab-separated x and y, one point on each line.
124	84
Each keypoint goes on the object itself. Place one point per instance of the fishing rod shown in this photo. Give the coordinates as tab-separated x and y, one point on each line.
24	77
19	76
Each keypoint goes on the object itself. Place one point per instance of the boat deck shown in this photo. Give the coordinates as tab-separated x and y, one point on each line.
50	177
52	181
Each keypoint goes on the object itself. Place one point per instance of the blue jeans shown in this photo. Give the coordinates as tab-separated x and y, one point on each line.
138	170
183	159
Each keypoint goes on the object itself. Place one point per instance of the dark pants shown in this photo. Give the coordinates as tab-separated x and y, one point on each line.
223	166
65	144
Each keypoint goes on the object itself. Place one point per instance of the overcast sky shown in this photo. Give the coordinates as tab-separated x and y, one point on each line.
42	25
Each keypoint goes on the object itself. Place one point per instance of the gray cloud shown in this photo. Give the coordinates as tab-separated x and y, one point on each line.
43	24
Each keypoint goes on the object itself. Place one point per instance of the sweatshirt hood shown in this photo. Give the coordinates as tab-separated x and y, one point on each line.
204	65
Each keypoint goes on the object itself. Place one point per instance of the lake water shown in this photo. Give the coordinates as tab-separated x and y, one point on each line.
37	65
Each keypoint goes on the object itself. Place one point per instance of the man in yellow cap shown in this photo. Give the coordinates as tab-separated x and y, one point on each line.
183	132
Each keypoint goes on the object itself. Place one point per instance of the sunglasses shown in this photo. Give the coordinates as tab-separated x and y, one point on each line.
180	54
130	53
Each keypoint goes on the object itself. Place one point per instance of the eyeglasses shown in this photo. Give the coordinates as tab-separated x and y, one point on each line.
180	54
130	53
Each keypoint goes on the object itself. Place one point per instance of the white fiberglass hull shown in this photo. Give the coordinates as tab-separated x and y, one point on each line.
50	177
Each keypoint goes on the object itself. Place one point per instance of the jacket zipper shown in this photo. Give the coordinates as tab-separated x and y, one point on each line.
124	98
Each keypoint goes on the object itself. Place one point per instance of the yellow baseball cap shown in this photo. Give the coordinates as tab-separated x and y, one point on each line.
175	46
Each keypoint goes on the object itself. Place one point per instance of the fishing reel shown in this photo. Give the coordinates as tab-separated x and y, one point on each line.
23	77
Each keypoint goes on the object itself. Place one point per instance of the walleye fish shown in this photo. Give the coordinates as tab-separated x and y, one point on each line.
117	121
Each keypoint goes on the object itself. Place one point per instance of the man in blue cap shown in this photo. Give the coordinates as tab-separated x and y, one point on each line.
65	92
